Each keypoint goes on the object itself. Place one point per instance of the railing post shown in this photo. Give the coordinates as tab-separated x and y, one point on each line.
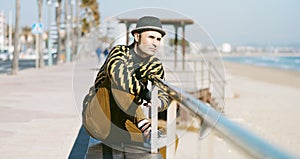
171	130
152	113
154	121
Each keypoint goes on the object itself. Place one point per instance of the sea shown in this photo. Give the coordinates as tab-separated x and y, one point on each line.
275	61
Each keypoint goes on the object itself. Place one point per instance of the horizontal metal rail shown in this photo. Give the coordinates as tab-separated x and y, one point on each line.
240	137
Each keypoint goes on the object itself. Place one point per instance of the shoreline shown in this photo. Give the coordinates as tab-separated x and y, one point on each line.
259	54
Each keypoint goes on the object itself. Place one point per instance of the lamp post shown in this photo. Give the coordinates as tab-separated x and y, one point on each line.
67	43
10	33
50	61
73	3
78	2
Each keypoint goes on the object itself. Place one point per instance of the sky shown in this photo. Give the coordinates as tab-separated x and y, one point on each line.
239	22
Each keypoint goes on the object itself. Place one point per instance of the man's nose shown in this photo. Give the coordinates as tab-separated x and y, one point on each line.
155	42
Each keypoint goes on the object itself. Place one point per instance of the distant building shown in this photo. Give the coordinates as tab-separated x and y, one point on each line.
2	30
226	48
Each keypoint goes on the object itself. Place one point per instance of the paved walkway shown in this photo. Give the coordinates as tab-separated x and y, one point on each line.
38	118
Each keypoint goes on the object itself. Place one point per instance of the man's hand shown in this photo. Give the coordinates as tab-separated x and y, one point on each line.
146	95
146	103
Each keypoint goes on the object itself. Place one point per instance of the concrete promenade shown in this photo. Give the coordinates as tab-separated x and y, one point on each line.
38	117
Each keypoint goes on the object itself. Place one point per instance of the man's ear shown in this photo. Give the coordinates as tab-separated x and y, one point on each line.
136	36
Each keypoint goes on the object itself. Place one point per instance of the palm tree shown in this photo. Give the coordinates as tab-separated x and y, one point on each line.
28	36
41	58
91	6
15	61
95	12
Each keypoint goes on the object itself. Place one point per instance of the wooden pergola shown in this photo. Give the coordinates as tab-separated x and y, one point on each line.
177	23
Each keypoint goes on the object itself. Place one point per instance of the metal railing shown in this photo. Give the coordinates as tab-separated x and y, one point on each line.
238	136
196	74
199	74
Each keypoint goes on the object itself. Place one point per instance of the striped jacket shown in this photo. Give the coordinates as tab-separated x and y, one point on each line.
126	70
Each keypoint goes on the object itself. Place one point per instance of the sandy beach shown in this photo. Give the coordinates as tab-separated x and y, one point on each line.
266	102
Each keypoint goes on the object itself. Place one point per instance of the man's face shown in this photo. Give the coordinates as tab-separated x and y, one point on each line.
148	43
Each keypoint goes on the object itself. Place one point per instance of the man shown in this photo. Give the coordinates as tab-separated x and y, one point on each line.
112	111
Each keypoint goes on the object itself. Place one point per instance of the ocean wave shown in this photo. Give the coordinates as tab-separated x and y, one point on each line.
297	61
283	62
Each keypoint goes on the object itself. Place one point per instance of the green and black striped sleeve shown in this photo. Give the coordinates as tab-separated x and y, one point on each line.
163	96
119	74
155	67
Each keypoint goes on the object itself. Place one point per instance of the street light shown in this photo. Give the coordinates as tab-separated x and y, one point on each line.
78	3
50	61
67	43
73	4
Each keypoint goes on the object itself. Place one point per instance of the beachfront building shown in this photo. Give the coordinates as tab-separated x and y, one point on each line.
226	48
2	30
